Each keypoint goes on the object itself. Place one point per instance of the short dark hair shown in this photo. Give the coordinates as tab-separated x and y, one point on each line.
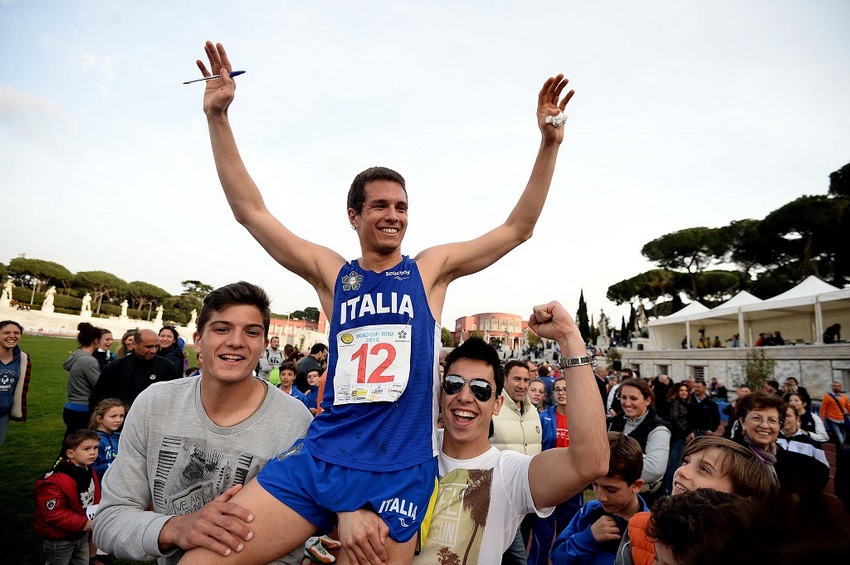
478	350
759	401
511	364
173	331
318	348
236	294
626	461
74	439
288	366
686	522
357	192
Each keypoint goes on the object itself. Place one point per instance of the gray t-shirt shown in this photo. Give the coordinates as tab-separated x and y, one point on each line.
173	456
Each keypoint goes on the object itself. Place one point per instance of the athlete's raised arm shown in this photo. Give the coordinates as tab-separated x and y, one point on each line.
315	263
442	264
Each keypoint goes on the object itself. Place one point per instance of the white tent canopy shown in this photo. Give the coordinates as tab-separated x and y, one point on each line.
800	315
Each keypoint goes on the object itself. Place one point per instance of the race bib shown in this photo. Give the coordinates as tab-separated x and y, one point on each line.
373	363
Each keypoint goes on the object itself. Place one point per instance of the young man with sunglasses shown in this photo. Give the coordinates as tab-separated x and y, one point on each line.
484	493
374	442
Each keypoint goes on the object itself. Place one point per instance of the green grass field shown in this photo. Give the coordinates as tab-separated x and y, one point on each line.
31	447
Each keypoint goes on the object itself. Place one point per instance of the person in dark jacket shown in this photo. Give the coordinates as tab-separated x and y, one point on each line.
169	346
680	430
703	413
127	377
639	421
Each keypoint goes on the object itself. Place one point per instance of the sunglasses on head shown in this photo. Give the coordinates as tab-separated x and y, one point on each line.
480	389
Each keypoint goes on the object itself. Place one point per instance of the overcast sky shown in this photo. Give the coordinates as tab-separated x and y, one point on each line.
685	114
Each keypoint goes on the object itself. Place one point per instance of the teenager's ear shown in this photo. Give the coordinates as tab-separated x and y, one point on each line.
499	401
638	484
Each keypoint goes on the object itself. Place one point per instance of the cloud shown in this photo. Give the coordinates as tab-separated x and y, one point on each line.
30	116
100	64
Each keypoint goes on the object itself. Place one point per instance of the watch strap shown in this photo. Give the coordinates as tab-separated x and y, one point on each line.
567	362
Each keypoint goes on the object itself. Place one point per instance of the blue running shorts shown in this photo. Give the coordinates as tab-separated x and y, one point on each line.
318	490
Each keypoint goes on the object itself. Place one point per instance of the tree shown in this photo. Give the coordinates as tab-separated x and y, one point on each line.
446	337
310	314
690	250
651	285
839	182
718	286
142	294
196	289
805	233
101	283
37	273
758	368
581	318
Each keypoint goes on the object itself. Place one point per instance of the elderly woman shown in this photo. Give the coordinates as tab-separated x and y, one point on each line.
639	420
761	417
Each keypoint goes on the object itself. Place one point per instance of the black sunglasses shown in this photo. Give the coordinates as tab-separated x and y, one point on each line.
480	389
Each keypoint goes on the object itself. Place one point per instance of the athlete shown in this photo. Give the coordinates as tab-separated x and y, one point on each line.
374	445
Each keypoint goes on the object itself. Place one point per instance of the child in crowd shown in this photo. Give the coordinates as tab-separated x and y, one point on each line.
683	525
287	378
66	498
708	462
594	533
537	394
106	420
312	396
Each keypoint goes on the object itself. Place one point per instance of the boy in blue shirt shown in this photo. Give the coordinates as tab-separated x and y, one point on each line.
593	535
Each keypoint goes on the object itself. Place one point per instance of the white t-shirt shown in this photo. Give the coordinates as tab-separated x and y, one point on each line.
480	503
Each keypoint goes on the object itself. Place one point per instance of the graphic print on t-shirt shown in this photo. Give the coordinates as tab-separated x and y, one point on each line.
189	474
460	515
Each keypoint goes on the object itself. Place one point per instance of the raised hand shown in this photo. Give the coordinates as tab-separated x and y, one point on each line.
552	321
219	92
549	103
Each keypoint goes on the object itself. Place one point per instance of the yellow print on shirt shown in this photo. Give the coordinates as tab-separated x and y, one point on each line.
460	515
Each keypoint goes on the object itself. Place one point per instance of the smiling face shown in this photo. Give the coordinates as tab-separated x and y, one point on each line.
113	419
466	419
682	393
231	343
633	402
287	377
166	338
703	469
762	426
792	422
382	221
516	383
106	341
10	335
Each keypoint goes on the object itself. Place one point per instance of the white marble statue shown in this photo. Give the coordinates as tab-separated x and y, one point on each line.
194	319
159	310
85	310
7	291
124	306
47	305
